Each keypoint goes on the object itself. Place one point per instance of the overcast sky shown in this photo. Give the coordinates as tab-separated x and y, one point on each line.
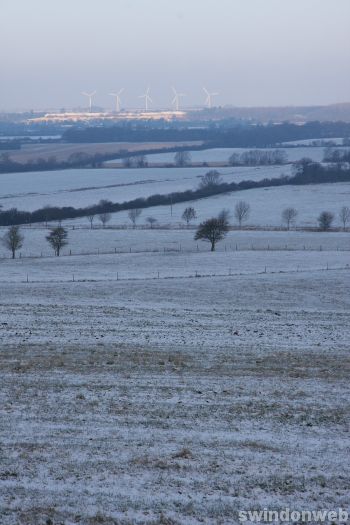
253	52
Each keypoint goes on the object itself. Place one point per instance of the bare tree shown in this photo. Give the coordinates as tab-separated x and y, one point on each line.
289	216
91	218
141	161
57	238
210	180
234	159
127	162
104	217
46	213
242	210
133	215
344	216
325	220
212	230
13	240
151	221
189	215
224	216
182	158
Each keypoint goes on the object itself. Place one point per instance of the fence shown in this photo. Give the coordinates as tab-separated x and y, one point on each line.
199	248
157	275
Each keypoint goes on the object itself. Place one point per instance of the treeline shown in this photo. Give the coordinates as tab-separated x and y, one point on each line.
336	155
306	172
237	136
258	157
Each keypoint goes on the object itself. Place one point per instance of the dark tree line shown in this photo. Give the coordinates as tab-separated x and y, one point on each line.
234	135
336	155
258	157
306	172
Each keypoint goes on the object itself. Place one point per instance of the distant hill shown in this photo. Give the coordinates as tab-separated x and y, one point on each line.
295	114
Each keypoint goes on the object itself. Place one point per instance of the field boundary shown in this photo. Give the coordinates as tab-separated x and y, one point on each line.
196	275
226	249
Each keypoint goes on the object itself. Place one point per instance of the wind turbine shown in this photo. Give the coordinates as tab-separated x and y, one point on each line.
208	100
90	97
147	98
176	99
117	99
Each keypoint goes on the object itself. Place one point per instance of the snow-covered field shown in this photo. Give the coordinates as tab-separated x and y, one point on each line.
174	401
169	265
309	142
223	154
82	240
160	383
30	191
266	206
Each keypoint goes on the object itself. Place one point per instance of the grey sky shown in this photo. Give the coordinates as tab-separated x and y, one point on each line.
254	52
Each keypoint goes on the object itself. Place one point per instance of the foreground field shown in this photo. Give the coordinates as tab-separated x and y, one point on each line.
172	402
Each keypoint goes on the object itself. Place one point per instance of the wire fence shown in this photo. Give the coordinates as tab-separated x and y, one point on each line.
158	275
180	249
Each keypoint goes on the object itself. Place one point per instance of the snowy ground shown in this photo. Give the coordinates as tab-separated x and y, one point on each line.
82	240
168	265
83	187
266	206
174	401
30	191
223	154
168	385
